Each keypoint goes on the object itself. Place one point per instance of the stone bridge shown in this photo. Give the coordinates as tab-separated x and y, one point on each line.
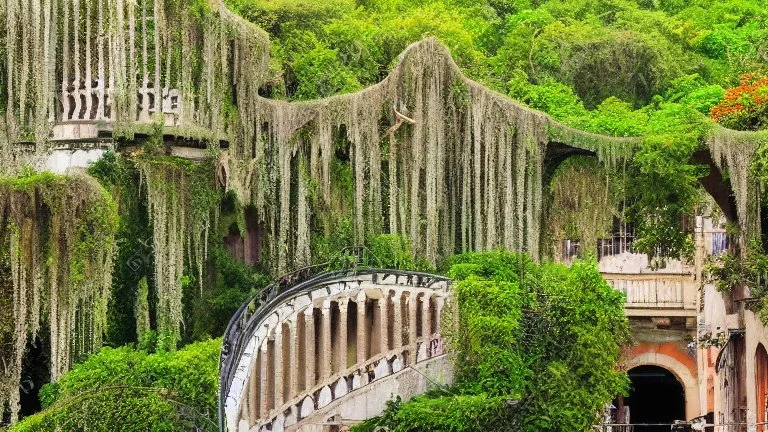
331	348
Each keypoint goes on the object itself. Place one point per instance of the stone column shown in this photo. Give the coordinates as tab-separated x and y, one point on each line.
265	372
76	56
426	319
254	391
397	321
326	356
309	351
293	360
384	321
362	329
413	309
278	367
342	336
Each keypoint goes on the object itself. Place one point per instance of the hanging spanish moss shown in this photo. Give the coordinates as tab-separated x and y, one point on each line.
460	164
141	310
56	250
182	204
735	151
131	64
583	202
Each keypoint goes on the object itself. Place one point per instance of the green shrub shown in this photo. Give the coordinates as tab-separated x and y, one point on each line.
537	349
129	390
395	252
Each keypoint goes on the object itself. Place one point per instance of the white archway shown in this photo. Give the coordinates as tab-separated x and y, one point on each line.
680	371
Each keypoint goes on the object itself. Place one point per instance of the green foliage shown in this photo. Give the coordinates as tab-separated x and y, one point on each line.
457	412
536	349
134	258
550	96
320	73
693	91
616	117
621	68
648	44
664	190
395	252
231	283
133	391
634	73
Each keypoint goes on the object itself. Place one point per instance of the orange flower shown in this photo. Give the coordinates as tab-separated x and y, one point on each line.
750	96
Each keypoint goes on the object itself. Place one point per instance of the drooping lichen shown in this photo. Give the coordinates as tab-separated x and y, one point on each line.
735	151
56	250
183	204
583	201
460	165
141	310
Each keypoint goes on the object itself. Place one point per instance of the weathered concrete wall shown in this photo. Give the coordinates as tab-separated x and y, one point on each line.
370	401
60	160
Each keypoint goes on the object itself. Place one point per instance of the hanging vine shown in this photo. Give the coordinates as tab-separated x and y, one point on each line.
584	199
56	250
183	205
736	151
460	164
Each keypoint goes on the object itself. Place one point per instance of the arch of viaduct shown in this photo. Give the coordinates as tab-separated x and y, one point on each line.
328	338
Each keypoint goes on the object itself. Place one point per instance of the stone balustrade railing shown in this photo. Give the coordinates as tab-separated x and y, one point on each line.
656	291
92	101
82	69
320	341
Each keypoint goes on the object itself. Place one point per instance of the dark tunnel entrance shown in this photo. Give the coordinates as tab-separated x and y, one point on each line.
656	397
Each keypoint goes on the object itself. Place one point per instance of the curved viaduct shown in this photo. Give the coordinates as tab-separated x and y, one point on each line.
331	348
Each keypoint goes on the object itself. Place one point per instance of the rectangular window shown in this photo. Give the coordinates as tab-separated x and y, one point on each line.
720	243
571	249
620	241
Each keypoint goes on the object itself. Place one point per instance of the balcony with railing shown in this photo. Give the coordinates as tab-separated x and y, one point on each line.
85	108
652	289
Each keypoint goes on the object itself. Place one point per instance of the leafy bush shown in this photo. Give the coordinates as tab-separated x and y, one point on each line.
536	349
664	189
132	390
231	283
395	252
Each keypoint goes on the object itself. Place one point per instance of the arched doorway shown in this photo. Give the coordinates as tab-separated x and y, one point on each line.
761	384
656	397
